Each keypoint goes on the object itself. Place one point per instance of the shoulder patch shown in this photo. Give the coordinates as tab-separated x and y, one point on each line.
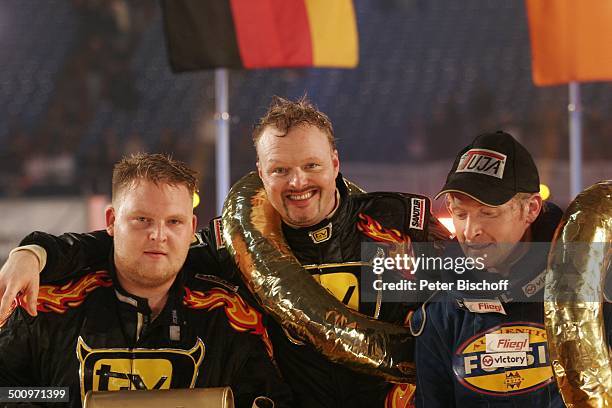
417	213
241	316
58	299
218	232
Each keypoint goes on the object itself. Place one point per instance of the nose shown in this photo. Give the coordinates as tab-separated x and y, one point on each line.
473	229
298	179
158	232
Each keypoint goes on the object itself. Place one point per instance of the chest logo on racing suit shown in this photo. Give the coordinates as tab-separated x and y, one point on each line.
482	161
343	286
504	378
322	234
137	369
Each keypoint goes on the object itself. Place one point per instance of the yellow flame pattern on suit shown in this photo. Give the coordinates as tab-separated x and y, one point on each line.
372	228
58	299
241	316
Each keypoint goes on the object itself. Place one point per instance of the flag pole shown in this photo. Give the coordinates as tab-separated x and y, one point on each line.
222	156
575	139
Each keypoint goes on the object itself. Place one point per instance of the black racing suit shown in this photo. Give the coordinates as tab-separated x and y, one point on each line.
90	334
331	251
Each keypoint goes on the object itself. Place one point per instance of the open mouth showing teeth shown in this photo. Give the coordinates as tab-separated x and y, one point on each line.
302	196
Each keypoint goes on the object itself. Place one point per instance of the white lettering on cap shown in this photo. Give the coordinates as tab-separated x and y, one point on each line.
482	161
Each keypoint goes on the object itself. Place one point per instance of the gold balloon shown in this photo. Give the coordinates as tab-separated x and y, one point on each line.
580	254
253	234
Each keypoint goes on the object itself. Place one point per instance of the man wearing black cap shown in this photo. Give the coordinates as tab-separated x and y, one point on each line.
489	348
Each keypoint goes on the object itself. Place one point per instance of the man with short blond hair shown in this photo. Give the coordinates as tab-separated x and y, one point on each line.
463	352
141	320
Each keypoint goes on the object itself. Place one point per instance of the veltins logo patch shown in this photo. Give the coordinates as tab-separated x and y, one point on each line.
506	379
137	369
482	161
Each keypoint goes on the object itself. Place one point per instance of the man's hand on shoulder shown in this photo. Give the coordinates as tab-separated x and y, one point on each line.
19	276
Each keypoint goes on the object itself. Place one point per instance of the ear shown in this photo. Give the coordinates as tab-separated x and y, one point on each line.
194	223
335	162
110	220
534	206
259	171
447	203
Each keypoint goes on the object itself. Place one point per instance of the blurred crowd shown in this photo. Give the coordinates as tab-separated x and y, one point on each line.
65	154
46	161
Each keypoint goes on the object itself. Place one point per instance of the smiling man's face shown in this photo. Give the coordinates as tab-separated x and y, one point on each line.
298	171
489	232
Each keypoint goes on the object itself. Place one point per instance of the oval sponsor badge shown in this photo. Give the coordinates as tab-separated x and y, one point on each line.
503	381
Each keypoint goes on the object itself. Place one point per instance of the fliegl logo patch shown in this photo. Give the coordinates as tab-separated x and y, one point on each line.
505	373
137	369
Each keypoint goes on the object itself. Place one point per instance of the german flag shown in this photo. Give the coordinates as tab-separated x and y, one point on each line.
571	40
204	34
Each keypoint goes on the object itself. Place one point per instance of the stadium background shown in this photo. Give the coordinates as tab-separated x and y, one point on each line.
83	82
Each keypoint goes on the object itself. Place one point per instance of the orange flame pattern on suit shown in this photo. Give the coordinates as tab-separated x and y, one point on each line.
401	396
58	299
372	228
241	316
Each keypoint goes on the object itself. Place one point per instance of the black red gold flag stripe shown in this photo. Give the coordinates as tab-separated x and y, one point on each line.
204	34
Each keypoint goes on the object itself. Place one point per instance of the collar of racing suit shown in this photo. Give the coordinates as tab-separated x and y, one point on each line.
140	304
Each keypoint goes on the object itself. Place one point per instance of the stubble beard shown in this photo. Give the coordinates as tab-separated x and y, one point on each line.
143	276
304	220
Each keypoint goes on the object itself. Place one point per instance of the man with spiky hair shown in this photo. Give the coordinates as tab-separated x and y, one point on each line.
144	321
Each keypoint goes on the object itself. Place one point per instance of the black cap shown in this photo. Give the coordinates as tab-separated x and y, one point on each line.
492	169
